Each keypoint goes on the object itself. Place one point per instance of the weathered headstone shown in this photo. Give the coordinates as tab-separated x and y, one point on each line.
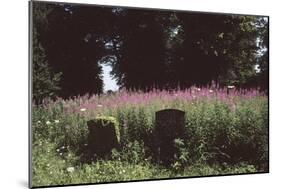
230	88
103	135
169	126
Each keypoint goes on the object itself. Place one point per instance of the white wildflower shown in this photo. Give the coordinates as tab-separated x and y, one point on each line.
62	147
51	172
70	169
48	165
48	122
60	154
57	121
99	105
58	150
231	87
39	121
198	89
83	109
211	91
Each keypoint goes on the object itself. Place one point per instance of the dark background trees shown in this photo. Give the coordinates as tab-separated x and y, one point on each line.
45	81
146	49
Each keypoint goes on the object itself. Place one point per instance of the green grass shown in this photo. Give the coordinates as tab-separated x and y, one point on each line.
222	136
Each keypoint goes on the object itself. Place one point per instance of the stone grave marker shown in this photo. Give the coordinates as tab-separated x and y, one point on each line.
103	135
169	126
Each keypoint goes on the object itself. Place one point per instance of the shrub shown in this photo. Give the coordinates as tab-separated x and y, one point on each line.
45	83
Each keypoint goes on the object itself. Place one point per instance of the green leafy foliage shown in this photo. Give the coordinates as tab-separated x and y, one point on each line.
220	137
169	48
45	83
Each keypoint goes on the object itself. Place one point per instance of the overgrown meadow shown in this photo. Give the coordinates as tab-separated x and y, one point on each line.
226	132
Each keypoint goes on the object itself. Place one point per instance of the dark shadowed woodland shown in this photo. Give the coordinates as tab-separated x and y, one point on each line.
146	49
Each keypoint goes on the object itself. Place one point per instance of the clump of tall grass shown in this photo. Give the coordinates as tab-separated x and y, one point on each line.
224	131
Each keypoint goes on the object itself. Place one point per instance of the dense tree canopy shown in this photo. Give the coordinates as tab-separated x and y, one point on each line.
45	82
148	48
